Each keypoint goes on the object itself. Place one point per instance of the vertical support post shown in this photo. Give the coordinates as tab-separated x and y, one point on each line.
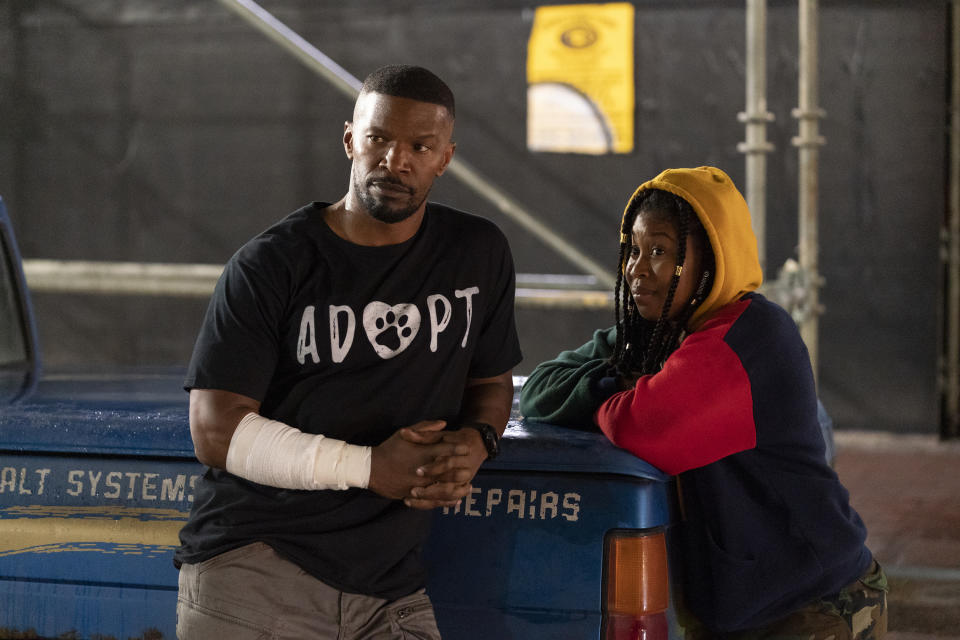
756	118
950	426
808	142
21	127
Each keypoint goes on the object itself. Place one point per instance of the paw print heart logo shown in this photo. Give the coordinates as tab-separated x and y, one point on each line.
390	328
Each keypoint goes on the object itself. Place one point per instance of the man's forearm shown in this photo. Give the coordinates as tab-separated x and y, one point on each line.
488	400
278	455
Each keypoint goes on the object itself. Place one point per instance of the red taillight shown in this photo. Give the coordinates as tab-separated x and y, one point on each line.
652	627
637	586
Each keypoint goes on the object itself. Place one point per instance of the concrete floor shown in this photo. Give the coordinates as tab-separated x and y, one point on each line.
907	490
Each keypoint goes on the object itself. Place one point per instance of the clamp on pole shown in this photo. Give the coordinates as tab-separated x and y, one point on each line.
808	117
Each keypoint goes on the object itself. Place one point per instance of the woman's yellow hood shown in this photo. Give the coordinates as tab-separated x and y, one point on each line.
724	214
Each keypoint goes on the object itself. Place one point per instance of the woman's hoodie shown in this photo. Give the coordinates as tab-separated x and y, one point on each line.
767	525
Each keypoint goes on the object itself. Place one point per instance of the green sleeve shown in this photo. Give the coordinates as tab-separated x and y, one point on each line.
563	390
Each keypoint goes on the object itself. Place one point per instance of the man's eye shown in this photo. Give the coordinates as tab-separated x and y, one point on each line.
375	139
422	148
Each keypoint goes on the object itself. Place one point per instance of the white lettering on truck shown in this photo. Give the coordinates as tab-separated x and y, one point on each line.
23	481
523	504
97	483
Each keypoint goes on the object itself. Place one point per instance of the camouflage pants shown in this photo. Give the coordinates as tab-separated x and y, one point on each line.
858	612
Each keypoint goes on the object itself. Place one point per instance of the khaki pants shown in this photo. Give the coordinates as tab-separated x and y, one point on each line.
251	593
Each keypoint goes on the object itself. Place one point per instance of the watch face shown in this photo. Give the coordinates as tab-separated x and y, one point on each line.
489	436
490	439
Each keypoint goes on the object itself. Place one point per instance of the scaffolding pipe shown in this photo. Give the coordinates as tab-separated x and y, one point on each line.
950	427
555	291
756	147
512	209
809	142
121	278
181	280
288	39
347	84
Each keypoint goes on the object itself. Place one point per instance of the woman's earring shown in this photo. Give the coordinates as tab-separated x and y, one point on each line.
701	289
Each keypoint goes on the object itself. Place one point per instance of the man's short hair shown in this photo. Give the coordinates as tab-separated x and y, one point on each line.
407	81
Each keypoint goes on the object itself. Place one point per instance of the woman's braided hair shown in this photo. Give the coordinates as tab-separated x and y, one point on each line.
643	345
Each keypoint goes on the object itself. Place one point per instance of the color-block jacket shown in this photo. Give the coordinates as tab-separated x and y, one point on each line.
767	527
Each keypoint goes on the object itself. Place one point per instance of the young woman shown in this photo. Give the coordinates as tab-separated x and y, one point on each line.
708	380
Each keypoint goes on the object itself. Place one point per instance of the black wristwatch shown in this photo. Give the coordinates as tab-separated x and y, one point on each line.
490	438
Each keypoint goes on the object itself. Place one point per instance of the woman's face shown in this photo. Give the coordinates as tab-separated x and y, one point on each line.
652	262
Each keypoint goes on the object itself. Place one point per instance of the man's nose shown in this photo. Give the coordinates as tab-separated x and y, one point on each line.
396	159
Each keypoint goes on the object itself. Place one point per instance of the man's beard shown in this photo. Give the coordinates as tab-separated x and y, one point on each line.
384	212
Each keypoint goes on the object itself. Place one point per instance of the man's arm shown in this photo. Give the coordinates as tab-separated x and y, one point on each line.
215	416
488	400
485	400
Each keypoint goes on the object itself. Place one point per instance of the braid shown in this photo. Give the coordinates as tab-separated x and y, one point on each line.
617	292
661	344
633	331
640	330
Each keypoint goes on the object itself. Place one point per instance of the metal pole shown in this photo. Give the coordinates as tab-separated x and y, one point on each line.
756	118
293	43
483	187
18	129
324	66
198	280
808	143
951	424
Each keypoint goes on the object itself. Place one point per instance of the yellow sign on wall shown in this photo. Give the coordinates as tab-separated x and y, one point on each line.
580	94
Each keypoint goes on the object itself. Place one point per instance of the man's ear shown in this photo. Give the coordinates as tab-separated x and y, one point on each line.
447	157
348	139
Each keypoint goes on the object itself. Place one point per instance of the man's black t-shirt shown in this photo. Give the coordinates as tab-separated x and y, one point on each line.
352	342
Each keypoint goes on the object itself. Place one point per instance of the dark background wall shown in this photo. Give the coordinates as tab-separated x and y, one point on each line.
171	131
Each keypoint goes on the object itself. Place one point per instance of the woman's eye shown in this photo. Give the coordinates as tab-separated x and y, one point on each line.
657	251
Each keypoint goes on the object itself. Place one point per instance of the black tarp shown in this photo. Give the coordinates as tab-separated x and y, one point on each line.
171	131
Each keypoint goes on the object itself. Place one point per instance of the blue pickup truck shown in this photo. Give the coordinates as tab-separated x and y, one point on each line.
567	536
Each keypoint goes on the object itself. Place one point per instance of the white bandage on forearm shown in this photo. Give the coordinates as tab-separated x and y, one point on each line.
277	455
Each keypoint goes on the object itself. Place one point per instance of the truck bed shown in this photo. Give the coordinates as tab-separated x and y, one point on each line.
97	474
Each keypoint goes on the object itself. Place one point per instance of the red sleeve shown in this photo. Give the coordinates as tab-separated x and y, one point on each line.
696	410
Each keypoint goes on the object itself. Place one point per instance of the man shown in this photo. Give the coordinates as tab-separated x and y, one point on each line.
353	372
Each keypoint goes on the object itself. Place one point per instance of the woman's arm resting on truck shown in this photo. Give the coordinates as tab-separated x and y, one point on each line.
565	390
696	410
